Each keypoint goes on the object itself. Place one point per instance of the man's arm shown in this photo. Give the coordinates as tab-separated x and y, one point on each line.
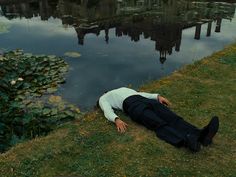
107	110
110	115
156	96
153	96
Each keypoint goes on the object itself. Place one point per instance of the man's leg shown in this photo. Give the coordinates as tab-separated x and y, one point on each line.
204	136
151	121
175	121
167	132
145	112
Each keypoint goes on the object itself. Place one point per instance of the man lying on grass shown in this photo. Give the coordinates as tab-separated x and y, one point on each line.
151	111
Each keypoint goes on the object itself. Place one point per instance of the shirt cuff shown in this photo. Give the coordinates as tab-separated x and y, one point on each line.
155	96
112	118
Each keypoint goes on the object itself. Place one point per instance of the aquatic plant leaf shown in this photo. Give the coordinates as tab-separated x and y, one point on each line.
18	52
2	58
26	119
54	111
37	94
51	56
69	113
52	90
64	69
28	54
55	99
77	110
4	28
20	97
72	54
46	111
74	108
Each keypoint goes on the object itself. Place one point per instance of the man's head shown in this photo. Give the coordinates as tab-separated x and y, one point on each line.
97	102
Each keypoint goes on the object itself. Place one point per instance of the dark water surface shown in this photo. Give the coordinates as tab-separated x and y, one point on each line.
121	42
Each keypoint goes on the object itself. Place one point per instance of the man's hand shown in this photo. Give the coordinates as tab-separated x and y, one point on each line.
120	125
164	101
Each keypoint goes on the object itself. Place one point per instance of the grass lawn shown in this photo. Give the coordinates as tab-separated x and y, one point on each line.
91	146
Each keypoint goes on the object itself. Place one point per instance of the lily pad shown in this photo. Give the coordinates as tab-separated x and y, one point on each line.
69	113
2	58
55	99
51	90
46	111
28	54
4	28
54	111
72	54
52	56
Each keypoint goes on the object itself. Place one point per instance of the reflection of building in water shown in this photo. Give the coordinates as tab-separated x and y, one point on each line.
28	8
166	36
170	37
161	21
164	27
212	12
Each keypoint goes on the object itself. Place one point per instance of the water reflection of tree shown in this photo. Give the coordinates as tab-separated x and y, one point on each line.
159	20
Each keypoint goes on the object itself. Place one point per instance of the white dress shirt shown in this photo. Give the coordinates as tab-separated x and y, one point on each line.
115	98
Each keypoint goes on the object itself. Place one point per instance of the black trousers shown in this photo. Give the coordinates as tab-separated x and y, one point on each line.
155	116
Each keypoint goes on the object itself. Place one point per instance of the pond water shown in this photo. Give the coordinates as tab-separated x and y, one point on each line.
121	42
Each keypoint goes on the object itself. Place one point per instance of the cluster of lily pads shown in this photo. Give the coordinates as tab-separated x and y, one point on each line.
28	107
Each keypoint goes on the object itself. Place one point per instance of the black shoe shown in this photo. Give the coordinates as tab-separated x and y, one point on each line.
209	131
192	143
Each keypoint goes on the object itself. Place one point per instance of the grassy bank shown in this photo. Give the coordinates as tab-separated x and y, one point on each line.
91	146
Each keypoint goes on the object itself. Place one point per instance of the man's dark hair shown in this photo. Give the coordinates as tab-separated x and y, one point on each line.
97	102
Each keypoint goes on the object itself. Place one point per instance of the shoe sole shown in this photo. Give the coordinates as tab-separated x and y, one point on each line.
213	128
